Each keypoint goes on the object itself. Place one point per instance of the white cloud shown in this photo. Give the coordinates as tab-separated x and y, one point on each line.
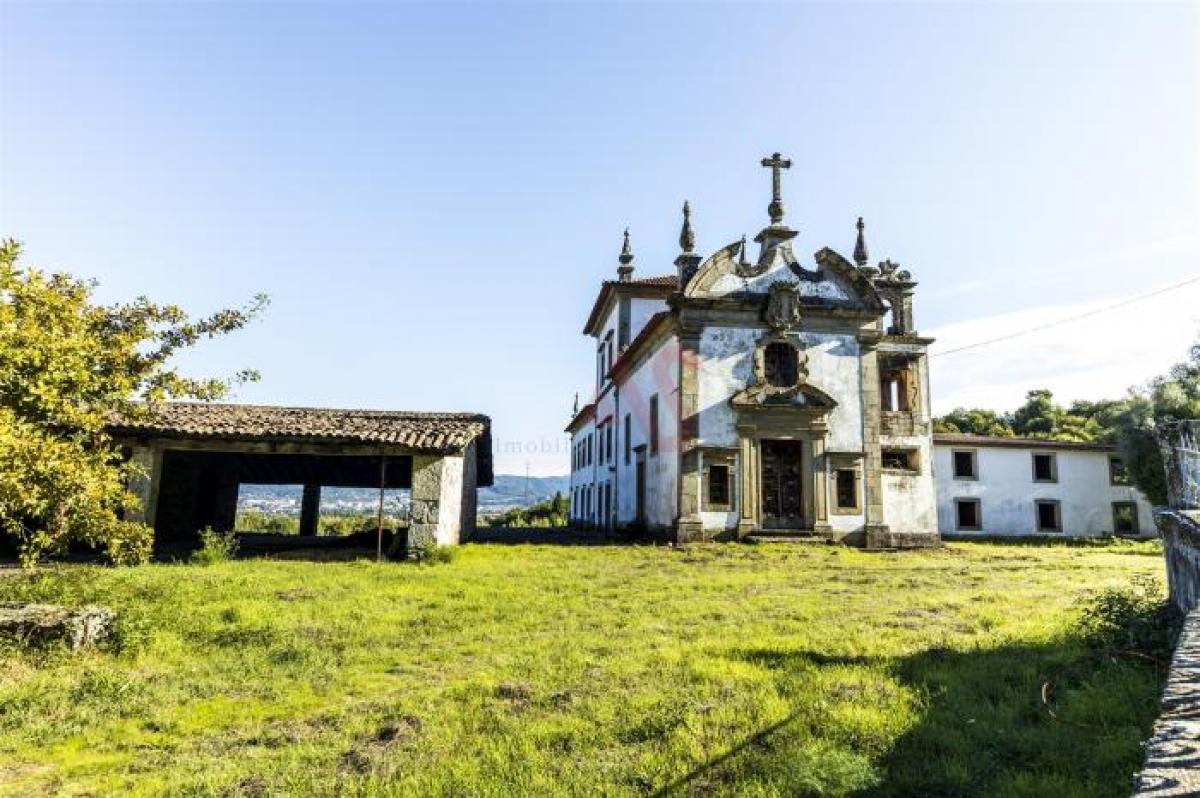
1094	358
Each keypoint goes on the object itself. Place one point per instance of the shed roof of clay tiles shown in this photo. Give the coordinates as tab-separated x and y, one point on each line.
434	433
963	439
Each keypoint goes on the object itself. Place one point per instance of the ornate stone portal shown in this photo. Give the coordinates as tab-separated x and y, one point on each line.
782	423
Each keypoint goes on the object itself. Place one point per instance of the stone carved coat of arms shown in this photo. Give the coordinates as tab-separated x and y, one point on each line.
783	306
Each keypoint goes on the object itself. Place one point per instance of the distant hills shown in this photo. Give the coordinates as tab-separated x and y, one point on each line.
508	491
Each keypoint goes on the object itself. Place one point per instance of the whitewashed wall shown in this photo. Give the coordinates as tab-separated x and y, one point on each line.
658	375
727	366
1007	492
909	501
640	313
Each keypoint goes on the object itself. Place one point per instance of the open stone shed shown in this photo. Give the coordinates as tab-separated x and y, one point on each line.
194	457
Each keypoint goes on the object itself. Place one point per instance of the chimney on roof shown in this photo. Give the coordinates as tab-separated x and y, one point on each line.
625	270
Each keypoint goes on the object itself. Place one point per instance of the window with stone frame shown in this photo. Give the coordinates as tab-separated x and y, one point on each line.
895	459
1049	515
654	424
968	515
1045	467
781	364
717	497
966	464
1125	518
847	488
893	389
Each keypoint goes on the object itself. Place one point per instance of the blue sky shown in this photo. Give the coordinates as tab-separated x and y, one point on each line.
430	194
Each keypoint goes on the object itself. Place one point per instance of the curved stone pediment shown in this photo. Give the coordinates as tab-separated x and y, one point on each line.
728	273
803	396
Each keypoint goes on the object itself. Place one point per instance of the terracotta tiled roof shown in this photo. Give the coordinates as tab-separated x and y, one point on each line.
433	432
963	439
659	286
664	280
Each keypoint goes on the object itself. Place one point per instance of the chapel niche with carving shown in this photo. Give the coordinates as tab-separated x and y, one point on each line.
780	372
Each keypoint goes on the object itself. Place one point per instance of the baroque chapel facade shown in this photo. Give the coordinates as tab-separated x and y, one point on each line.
749	393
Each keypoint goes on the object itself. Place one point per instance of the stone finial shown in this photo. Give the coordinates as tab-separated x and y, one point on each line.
687	236
687	262
776	163
626	256
743	260
575	408
625	270
861	256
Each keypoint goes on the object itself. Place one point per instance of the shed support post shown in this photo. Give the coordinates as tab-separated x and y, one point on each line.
145	483
310	509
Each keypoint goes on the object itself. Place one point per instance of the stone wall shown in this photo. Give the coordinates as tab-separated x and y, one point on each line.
1173	751
1179	524
1180	532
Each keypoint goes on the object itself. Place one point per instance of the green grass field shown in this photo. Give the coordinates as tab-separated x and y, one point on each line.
531	670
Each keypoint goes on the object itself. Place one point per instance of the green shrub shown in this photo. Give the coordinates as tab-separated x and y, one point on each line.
552	513
131	633
432	553
215	547
1137	619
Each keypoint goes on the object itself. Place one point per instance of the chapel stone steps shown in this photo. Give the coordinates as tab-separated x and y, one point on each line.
782	536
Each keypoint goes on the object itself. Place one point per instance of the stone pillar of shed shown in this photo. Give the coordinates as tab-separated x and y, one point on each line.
436	511
310	509
144	482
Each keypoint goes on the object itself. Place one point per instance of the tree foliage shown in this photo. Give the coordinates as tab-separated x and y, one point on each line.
68	368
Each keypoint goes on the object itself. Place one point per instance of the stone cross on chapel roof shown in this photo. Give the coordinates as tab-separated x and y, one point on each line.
775	163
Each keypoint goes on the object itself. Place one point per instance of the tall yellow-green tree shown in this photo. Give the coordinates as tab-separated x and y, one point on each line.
68	368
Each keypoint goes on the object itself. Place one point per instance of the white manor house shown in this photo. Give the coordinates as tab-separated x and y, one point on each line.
755	393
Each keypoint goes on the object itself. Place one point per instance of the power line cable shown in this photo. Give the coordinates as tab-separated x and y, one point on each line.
1069	319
